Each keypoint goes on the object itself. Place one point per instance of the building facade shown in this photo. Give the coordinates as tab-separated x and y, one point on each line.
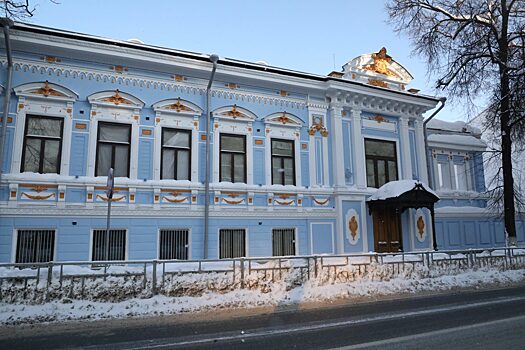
293	157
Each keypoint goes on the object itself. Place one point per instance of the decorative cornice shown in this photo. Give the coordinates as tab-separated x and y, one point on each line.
163	212
130	79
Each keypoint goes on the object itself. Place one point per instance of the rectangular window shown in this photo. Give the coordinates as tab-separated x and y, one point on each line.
117	245
283	162
176	154
173	244
233	158
460	174
113	149
35	246
42	145
381	162
232	243
444	175
283	241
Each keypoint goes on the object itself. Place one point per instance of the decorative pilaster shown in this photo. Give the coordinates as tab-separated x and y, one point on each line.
359	149
405	148
337	145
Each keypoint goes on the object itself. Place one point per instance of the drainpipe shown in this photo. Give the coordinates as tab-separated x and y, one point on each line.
6	23
214	59
443	100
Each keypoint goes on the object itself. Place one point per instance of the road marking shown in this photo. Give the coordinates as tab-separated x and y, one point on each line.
390	341
152	344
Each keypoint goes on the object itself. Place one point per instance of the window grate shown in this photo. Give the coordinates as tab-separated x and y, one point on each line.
117	245
283	241
174	244
232	243
35	246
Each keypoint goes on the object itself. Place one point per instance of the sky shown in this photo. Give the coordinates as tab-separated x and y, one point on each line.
306	35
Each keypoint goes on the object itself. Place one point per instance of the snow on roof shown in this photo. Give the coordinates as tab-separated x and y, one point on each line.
457	126
457	140
394	189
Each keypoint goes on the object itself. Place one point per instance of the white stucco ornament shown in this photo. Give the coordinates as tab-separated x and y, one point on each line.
352	226
421	226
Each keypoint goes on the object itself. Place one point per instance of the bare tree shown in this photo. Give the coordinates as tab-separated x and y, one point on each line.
475	48
17	9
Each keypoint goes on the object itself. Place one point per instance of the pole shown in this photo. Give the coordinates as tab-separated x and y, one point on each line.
109	194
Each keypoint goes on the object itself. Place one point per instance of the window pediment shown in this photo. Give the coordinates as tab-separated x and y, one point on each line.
177	106
234	113
45	90
115	99
284	119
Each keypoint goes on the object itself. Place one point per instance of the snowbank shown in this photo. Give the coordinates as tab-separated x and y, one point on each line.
279	294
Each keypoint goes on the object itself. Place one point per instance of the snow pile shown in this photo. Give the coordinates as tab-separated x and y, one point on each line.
457	126
279	295
264	283
459	140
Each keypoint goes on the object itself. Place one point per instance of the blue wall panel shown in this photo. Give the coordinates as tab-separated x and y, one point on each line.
145	166
78	157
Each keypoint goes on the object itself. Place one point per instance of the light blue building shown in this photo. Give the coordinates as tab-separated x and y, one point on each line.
293	157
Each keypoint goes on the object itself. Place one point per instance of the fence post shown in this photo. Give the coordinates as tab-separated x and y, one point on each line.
315	266
242	272
154	278
145	278
49	278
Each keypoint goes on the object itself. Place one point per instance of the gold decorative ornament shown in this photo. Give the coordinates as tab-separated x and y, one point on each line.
381	62
353	226
116	99
321	202
230	201
114	199
378	118
421	226
37	197
283	119
178	106
175	200
47	90
379	83
283	203
234	113
318	126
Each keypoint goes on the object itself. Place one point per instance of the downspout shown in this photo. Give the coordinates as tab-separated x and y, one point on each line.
214	59
443	100
6	23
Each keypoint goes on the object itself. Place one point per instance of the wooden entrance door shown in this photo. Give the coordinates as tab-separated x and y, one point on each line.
387	231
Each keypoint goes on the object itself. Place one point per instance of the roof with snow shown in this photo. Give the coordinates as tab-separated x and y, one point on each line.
455	127
403	194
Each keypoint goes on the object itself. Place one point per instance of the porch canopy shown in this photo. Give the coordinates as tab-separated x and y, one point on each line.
404	194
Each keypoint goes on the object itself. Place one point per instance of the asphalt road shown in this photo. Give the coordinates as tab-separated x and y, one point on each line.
476	319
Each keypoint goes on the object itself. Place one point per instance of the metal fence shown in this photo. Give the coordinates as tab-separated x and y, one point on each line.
152	276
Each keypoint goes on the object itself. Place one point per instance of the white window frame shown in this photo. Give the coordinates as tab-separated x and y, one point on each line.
296	237
246	240
222	122
15	240
177	114
126	113
290	131
59	105
398	153
92	233
190	243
